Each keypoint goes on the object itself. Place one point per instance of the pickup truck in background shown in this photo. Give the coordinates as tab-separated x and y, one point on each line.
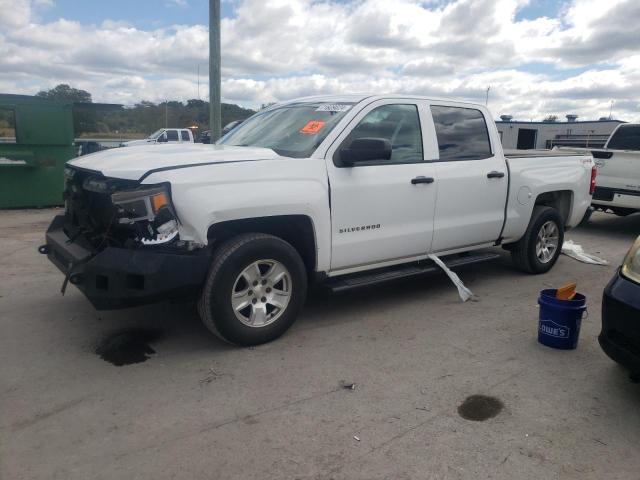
343	190
164	135
618	163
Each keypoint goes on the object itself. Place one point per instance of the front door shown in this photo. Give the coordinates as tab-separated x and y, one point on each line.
472	182
382	210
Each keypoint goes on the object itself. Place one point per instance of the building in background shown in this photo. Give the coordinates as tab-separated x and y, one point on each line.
516	134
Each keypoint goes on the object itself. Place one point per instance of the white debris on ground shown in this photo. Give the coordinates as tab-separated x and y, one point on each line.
464	292
576	252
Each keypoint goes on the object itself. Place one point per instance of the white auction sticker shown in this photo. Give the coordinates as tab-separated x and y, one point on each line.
333	107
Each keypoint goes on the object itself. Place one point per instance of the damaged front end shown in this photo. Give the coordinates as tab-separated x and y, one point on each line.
114	212
118	242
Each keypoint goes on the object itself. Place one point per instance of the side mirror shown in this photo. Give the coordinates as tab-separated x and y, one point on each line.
365	150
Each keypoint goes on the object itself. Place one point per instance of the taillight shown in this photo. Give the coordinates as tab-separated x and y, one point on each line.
594	174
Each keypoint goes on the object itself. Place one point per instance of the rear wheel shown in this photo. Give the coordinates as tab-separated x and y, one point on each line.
586	217
255	288
538	250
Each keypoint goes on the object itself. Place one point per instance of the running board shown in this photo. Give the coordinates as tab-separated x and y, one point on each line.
357	280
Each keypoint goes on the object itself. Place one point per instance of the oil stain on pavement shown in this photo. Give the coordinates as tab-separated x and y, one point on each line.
479	408
126	347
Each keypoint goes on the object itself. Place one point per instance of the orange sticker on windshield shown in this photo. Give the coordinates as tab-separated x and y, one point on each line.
312	127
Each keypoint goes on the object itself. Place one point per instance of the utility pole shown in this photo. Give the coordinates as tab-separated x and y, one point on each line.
486	101
214	69
198	81
611	111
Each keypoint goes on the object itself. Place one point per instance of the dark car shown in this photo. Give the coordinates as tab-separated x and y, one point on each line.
620	336
230	126
205	137
85	147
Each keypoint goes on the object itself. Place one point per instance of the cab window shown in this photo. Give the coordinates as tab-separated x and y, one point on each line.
400	124
172	136
462	133
627	137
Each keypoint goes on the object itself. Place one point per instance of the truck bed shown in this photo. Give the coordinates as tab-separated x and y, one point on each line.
542	153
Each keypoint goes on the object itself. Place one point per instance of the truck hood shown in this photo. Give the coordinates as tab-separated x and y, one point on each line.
131	163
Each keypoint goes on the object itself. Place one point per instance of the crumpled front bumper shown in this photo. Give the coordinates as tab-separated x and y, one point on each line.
119	277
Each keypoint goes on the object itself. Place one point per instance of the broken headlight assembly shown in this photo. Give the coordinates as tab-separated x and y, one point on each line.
149	213
631	264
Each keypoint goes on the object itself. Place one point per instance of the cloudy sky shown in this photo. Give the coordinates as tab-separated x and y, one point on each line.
539	57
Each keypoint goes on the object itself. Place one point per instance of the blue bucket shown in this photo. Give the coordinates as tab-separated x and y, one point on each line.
559	324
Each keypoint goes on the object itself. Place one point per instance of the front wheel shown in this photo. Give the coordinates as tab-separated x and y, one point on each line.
538	250
255	288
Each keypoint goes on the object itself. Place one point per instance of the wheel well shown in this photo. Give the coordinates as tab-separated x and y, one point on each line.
297	230
561	200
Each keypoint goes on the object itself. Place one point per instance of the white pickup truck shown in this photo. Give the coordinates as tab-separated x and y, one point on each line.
343	190
163	135
618	163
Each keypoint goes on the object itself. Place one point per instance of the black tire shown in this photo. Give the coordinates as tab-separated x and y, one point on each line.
523	252
587	217
229	260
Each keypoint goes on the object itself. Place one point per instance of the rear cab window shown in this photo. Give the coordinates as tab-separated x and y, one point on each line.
172	136
626	137
462	133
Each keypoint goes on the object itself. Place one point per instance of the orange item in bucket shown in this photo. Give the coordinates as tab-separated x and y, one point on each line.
567	292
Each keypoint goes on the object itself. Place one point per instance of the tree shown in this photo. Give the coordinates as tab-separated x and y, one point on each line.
550	119
65	93
142	118
83	121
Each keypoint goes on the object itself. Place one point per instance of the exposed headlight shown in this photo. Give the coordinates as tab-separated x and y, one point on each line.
149	212
631	264
68	173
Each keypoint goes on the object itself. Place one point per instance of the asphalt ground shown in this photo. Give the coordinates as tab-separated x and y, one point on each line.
198	408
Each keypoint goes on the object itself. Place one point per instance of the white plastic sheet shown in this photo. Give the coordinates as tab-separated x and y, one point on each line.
576	251
464	292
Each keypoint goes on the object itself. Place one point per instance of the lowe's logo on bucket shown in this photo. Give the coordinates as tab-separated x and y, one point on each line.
551	328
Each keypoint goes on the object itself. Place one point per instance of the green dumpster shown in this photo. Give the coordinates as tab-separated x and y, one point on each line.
32	161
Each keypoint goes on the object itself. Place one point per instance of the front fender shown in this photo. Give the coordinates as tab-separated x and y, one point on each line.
210	194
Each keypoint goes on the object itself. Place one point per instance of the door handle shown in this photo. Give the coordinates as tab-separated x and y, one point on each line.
415	181
495	174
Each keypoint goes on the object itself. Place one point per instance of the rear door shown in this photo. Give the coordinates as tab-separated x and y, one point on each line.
472	180
382	211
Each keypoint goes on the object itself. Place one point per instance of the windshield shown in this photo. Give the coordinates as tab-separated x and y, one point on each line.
627	137
291	131
156	134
